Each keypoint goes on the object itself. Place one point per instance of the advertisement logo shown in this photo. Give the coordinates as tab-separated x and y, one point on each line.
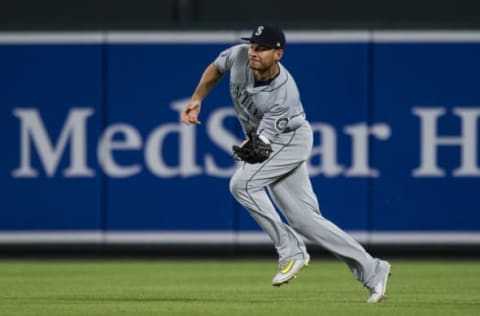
34	137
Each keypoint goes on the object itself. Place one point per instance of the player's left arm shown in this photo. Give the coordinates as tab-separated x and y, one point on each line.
272	119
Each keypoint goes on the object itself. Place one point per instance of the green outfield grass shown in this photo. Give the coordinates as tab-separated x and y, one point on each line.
227	288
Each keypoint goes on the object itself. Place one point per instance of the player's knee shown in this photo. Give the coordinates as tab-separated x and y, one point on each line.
241	187
237	186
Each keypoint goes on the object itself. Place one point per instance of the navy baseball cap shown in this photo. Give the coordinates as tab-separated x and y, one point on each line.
267	35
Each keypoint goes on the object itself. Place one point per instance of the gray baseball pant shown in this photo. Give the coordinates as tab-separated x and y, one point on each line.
286	177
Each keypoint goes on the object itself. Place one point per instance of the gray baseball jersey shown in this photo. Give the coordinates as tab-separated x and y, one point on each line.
269	109
275	111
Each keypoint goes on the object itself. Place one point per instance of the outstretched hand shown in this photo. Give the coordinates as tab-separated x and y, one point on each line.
190	114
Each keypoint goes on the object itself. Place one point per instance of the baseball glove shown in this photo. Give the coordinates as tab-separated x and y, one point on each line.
255	149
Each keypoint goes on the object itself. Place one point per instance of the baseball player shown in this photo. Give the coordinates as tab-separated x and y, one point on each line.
267	102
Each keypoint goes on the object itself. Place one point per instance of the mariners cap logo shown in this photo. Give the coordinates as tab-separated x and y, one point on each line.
259	30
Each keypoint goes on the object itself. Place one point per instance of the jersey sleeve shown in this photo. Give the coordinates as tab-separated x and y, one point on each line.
285	114
227	58
277	110
269	121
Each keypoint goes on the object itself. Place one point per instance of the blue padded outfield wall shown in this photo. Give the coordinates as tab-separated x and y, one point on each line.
93	150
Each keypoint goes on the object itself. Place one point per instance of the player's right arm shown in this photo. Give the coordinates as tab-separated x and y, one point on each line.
209	78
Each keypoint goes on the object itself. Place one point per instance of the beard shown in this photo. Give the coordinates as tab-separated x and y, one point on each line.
257	66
